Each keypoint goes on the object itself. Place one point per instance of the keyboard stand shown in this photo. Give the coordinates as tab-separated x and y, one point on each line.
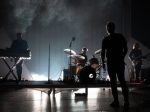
11	69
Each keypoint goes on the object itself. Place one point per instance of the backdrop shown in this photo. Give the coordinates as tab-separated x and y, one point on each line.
52	24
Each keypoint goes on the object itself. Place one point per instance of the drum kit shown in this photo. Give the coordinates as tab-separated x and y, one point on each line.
75	70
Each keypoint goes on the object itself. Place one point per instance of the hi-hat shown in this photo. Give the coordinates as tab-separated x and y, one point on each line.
98	51
77	57
69	51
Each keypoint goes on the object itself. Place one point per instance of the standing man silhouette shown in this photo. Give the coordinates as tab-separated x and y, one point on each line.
19	45
114	49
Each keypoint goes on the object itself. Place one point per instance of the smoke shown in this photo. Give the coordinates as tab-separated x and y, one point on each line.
56	22
22	13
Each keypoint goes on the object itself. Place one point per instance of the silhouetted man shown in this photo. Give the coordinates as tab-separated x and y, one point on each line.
114	49
19	46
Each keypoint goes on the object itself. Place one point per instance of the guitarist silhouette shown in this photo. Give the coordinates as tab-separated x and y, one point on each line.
136	59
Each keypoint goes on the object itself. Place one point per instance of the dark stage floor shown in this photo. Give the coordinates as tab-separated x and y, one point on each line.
31	96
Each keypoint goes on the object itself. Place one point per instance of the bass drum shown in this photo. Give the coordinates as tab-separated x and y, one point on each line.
87	75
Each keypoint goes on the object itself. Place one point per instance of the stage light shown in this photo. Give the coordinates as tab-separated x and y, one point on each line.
39	77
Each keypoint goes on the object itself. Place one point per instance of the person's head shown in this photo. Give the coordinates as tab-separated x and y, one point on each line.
136	46
110	27
84	50
94	63
19	35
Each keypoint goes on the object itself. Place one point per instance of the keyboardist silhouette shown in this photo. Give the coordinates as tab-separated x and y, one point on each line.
19	46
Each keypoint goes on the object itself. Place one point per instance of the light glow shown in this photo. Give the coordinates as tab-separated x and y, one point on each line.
39	77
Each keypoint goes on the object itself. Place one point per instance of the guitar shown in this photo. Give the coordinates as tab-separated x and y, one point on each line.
138	60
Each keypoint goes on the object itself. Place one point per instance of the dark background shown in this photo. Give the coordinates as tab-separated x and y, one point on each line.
141	21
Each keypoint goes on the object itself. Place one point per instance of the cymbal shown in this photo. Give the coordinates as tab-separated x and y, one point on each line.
69	51
79	57
98	51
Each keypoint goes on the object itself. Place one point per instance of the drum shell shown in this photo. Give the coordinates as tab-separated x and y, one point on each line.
84	74
73	69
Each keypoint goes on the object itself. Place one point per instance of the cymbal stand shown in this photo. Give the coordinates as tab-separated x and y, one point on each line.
70	72
49	65
70	45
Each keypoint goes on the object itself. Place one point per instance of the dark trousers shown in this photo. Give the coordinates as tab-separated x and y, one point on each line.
137	68
117	70
19	68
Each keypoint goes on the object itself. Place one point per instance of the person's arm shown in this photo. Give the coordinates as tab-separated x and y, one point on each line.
125	47
26	45
130	56
141	55
103	52
86	59
13	44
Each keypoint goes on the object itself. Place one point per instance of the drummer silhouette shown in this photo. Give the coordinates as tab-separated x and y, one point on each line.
83	62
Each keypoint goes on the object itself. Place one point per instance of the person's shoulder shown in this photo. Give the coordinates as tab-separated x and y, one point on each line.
119	34
15	40
24	40
131	51
106	37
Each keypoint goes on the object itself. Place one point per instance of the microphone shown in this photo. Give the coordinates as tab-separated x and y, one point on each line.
73	38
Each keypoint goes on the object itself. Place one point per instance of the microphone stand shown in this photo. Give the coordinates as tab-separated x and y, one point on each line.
70	45
49	65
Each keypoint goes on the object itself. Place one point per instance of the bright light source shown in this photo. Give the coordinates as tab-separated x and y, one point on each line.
39	77
107	78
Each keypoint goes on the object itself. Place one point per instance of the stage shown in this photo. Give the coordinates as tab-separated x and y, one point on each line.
61	84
